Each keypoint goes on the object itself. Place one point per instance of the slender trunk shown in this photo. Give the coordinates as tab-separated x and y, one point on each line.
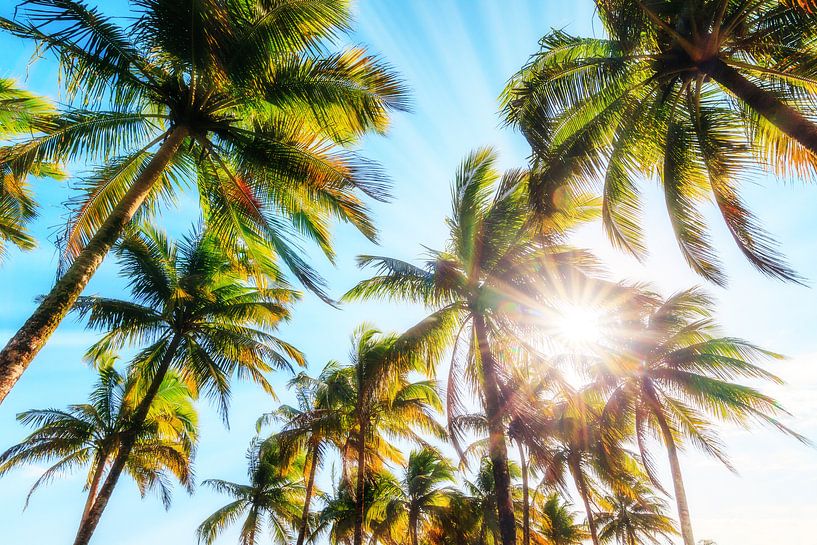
99	467
525	495
310	485
29	339
413	523
677	480
497	450
581	485
360	512
88	526
781	115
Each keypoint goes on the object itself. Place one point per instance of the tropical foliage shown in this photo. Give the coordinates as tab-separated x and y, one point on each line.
242	99
97	433
701	92
255	106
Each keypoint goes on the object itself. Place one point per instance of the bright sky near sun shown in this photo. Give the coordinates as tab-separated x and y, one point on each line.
455	56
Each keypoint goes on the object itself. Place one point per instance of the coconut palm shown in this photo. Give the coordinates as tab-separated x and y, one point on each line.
317	424
191	312
410	505
339	516
21	113
667	373
381	400
94	434
487	288
272	498
699	91
555	523
634	518
241	97
575	442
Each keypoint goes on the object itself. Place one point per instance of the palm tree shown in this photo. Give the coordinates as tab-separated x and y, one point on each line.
272	498
666	372
382	401
315	425
574	440
419	494
94	434
699	91
339	516
191	312
555	523
459	522
488	287
240	96
21	113
634	518
482	493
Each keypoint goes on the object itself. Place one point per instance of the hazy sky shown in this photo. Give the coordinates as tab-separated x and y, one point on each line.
456	57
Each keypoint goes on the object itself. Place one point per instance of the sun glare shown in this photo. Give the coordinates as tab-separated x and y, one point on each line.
579	325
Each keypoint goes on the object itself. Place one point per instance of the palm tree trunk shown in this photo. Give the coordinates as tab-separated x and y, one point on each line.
525	495
497	450
87	527
684	520
24	345
413	523
781	115
310	485
92	489
581	485
360	508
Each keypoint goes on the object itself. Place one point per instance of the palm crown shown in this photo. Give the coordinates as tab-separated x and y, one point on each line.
90	434
241	97
271	498
20	113
698	91
193	311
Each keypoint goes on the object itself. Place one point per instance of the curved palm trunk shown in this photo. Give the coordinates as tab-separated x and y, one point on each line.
360	511
24	345
684	520
99	467
310	486
525	495
497	450
88	525
781	115
581	485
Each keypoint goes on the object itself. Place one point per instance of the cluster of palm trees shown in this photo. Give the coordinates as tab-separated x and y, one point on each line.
249	103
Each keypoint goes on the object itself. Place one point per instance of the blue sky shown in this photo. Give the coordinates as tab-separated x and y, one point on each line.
456	57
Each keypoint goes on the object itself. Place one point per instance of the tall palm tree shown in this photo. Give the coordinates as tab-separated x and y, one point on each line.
241	97
192	312
272	498
315	425
21	113
487	288
93	435
418	495
382	401
555	523
699	91
667	373
634	518
575	442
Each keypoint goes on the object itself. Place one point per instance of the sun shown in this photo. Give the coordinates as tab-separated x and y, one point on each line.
579	325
